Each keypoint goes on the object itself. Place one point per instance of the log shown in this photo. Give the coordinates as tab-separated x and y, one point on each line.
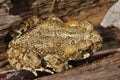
103	65
92	10
6	21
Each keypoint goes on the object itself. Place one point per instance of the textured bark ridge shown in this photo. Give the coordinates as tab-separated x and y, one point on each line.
103	65
92	10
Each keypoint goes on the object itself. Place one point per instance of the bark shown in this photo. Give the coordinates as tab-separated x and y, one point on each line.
103	65
92	10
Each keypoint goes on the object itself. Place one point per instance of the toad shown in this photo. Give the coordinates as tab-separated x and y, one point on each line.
48	45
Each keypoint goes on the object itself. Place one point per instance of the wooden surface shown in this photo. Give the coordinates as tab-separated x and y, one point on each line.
103	65
92	10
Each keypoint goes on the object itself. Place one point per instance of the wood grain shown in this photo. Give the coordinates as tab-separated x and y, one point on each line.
103	65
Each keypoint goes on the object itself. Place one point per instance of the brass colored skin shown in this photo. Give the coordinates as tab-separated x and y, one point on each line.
48	45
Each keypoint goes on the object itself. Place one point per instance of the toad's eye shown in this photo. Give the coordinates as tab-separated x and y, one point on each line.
87	26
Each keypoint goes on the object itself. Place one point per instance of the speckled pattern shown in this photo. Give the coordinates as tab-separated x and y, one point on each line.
49	44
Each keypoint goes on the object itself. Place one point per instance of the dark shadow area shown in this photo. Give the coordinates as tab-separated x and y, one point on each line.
20	5
108	34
